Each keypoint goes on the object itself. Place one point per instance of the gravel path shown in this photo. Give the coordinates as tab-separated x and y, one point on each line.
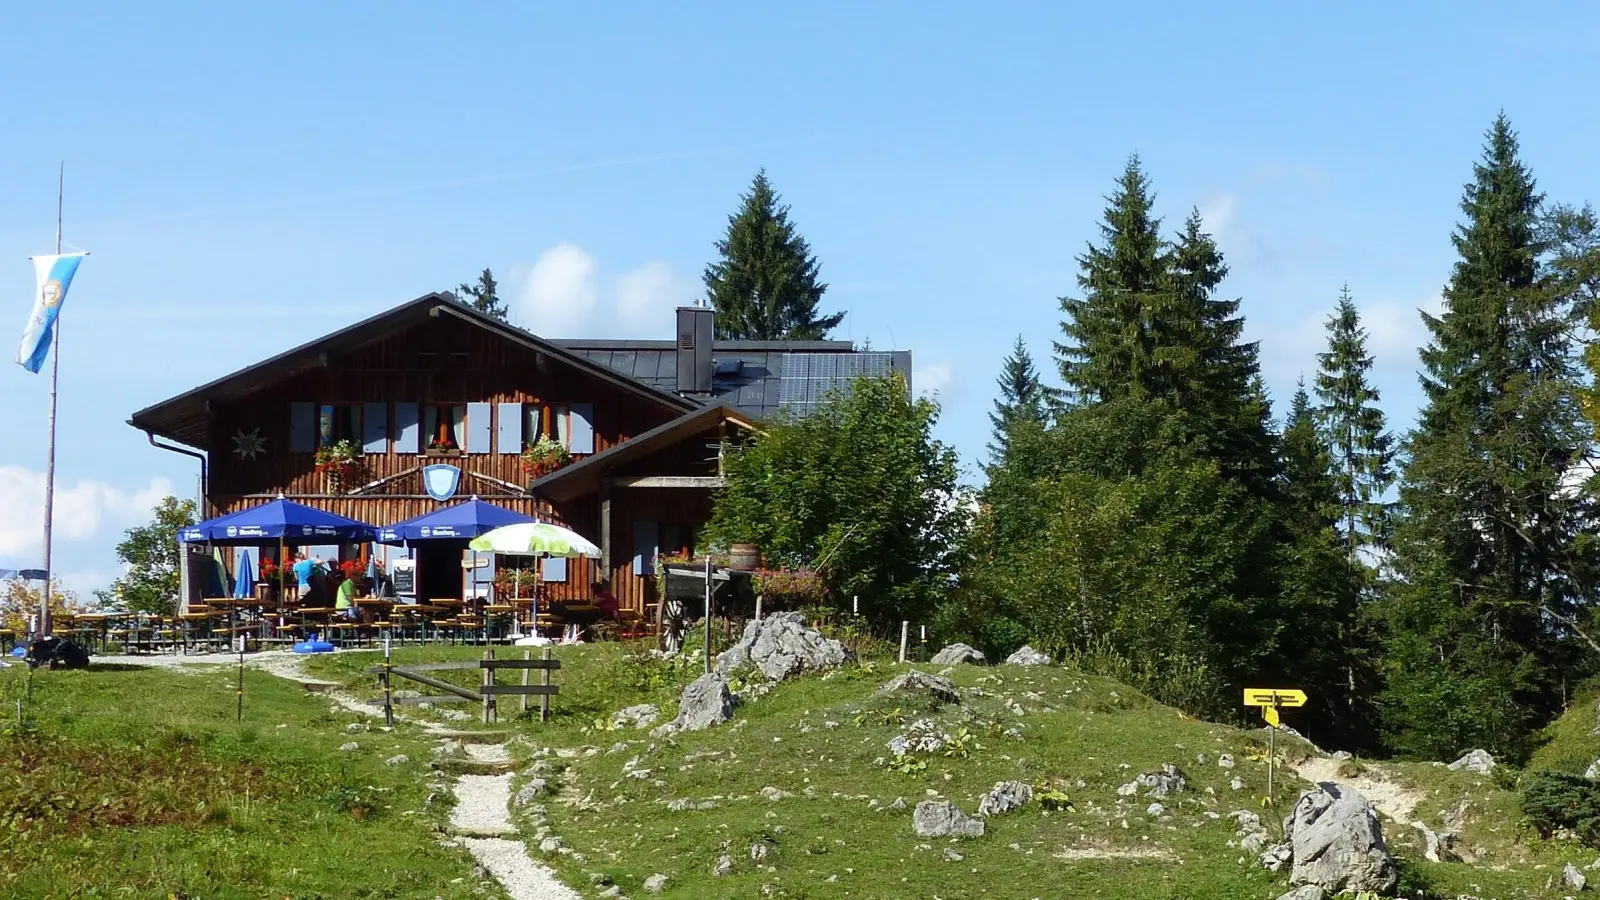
482	805
488	753
522	877
483	802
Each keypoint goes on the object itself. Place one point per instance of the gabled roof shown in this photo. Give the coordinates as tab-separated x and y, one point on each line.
184	418
583	477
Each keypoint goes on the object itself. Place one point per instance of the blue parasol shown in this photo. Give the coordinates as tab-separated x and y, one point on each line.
244	583
279	520
462	521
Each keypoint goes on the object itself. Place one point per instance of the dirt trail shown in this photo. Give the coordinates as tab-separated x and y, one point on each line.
1393	800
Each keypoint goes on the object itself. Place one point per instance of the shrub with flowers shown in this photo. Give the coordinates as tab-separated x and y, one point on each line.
515	582
801	586
340	460
544	456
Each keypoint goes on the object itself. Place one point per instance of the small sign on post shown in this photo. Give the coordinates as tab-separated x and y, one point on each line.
1270	700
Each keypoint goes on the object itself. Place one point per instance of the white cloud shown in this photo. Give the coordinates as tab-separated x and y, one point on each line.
563	295
647	297
82	509
559	293
932	377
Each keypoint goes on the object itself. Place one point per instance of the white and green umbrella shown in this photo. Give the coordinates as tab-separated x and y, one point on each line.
535	539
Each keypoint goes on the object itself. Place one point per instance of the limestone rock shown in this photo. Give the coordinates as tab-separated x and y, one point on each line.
349	746
1027	656
705	702
1161	784
655	884
723	867
642	716
1479	762
1437	846
1305	892
1225	761
1572	879
941	818
782	645
399	759
1005	797
531	790
1274	858
915	682
759	851
1337	842
956	654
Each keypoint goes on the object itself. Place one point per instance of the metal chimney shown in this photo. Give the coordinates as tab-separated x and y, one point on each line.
696	331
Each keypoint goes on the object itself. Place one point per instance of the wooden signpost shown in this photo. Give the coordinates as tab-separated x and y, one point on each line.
1270	700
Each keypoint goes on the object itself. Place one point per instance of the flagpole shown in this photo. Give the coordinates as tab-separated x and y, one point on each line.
50	461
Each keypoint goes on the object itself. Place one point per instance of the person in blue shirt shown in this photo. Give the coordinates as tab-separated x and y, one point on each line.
304	566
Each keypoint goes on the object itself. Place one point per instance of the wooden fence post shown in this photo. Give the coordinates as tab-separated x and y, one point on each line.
488	679
544	679
905	629
526	654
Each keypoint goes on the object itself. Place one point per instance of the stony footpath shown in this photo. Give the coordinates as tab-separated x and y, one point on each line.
480	822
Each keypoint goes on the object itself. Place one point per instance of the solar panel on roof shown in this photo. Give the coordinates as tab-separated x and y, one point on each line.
808	378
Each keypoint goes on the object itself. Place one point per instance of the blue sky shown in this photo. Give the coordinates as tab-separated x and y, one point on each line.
250	179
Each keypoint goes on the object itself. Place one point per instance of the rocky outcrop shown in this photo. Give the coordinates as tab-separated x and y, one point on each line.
956	654
941	818
915	682
705	702
1337	842
1027	656
642	716
782	645
1005	797
1478	762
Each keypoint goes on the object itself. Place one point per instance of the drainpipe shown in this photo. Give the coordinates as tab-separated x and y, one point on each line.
205	474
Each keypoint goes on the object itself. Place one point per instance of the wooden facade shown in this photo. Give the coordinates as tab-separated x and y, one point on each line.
498	388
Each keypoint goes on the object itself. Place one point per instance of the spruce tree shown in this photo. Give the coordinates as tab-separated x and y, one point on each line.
1212	373
483	296
1106	349
1485	550
1352	423
1022	399
1329	648
1310	489
766	285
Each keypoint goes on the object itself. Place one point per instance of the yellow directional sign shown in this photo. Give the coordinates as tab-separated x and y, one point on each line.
1270	697
1271	715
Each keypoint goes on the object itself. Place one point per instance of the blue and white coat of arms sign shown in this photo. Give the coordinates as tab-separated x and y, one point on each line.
441	481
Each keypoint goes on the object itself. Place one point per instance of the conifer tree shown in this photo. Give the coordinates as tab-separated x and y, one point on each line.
766	284
1352	423
1309	485
1484	552
1106	349
1022	399
484	296
1212	373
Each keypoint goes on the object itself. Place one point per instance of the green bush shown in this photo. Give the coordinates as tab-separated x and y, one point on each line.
1554	800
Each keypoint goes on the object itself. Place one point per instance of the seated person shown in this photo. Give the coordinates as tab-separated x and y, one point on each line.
345	605
605	600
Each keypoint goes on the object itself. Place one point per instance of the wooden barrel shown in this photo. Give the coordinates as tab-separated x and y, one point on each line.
744	556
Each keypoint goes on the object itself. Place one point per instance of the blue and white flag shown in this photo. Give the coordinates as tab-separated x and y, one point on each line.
52	276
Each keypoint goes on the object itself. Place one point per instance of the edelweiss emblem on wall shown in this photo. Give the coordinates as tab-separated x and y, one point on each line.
249	444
